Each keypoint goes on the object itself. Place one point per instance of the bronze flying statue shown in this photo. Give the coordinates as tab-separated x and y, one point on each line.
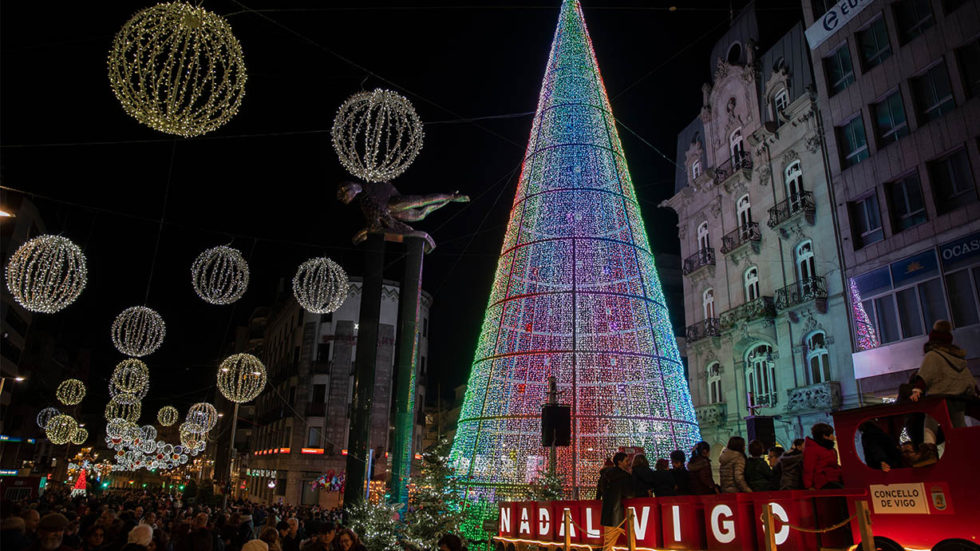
386	210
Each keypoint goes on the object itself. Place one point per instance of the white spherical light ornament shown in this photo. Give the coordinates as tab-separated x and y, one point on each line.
61	429
220	275
138	331
167	416
203	414
116	427
70	392
45	415
320	286
81	435
130	375
241	377
123	409
46	274
376	135
178	68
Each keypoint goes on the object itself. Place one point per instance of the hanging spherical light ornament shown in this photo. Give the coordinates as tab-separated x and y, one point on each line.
138	331
116	427
320	286
190	438
116	409
46	274
115	391
376	135
45	415
203	414
178	68
149	432
167	416
241	377
70	392
220	275
61	429
81	435
130	375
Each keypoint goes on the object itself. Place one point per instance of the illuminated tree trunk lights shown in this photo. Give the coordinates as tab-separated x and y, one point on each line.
576	295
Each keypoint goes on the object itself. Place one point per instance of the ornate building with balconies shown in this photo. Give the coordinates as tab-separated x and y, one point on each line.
763	291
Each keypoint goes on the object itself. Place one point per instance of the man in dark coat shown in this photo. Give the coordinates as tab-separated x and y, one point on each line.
790	467
615	485
682	478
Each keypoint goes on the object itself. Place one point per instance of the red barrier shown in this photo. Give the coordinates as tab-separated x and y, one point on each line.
730	522
646	522
682	520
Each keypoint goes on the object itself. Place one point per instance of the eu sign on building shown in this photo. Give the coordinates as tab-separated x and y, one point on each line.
836	17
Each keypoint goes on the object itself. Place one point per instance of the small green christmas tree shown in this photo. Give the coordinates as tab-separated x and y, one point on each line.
435	507
377	525
546	487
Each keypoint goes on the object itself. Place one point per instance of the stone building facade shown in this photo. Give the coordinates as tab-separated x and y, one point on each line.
899	88
767	330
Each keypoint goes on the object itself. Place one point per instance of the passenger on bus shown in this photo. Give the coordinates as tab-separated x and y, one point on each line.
699	468
615	485
789	470
608	464
880	449
773	456
731	467
682	478
757	471
663	480
820	467
643	478
944	371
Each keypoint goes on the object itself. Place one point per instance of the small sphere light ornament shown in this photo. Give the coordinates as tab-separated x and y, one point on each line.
46	274
220	275
130	375
138	331
61	429
167	416
320	286
81	435
70	392
377	135
123	409
241	377
203	414
45	415
178	68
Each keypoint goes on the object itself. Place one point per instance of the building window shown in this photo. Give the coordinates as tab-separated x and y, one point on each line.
780	101
314	438
866	221
425	327
805	264
905	204
703	236
737	147
852	142
932	93
323	353
734	53
714	384
873	44
326	318
695	170
952	181
913	17
708	303
969	58
820	7
319	394
962	296
794	185
889	117
817	358
751	284
837	66
760	375
744	211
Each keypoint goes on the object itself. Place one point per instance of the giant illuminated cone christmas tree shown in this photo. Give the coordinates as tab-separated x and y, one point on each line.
576	296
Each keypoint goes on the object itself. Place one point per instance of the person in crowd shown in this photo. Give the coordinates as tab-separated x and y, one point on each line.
682	478
880	449
789	471
270	536
51	533
451	542
139	538
291	538
347	540
12	536
31	519
643	477
699	468
820	467
758	473
772	457
255	545
322	538
606	465
615	485
731	467
663	480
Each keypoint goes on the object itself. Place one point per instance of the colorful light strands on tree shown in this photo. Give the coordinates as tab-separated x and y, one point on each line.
70	392
45	415
377	135
46	274
241	377
167	416
138	331
203	414
178	69
61	429
220	275
320	286
576	296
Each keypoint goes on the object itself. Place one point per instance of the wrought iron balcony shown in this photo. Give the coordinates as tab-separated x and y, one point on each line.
759	308
792	207
818	397
734	165
703	329
711	415
813	288
698	260
740	236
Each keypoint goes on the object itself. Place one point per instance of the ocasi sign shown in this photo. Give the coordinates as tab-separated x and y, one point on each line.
836	17
899	499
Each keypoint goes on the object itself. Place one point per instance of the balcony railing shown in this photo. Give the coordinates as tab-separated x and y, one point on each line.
734	164
698	260
742	235
818	397
759	308
703	329
813	288
801	203
711	415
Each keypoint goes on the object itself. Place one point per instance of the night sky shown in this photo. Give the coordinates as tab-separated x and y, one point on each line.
265	182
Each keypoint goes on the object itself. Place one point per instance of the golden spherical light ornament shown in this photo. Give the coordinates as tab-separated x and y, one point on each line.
81	435
178	68
123	408
203	414
130	375
377	135
220	275
61	429
46	274
138	331
167	416
320	286
70	392
241	377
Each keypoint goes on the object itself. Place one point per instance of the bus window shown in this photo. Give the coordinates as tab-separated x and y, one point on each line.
899	441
